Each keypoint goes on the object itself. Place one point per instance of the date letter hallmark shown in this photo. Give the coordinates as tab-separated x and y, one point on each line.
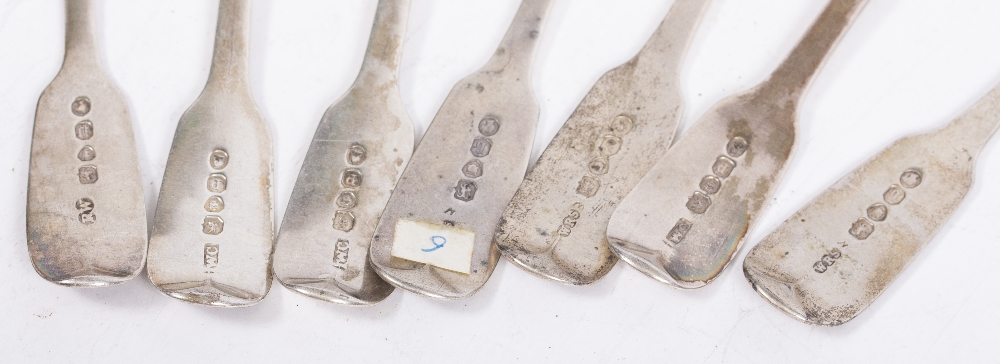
607	146
351	178
343	221
465	190
340	254
212	225
87	174
211	256
86	208
699	202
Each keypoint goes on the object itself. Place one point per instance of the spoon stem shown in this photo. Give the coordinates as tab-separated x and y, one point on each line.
517	50
385	46
80	44
674	32
976	126
232	38
794	74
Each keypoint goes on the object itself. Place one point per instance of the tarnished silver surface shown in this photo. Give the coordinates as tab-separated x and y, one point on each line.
830	260
86	217
556	224
322	246
213	231
468	164
685	220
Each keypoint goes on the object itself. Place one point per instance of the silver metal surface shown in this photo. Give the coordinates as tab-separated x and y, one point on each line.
213	231
836	255
468	164
322	246
556	224
686	219
86	216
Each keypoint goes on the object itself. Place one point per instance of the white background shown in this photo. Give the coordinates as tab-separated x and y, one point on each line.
905	66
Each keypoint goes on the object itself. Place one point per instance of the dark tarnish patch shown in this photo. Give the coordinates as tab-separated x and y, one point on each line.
740	127
383	46
833	316
760	196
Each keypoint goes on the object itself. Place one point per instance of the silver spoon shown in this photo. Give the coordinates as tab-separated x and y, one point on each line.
360	148
435	237
685	220
86	216
832	258
213	231
556	224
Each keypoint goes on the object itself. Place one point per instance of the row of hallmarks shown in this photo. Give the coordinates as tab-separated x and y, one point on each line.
701	200
350	183
863	227
466	188
607	146
87	173
213	224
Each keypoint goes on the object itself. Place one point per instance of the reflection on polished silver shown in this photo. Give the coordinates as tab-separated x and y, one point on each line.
821	268
686	219
356	156
85	229
555	225
213	230
467	166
